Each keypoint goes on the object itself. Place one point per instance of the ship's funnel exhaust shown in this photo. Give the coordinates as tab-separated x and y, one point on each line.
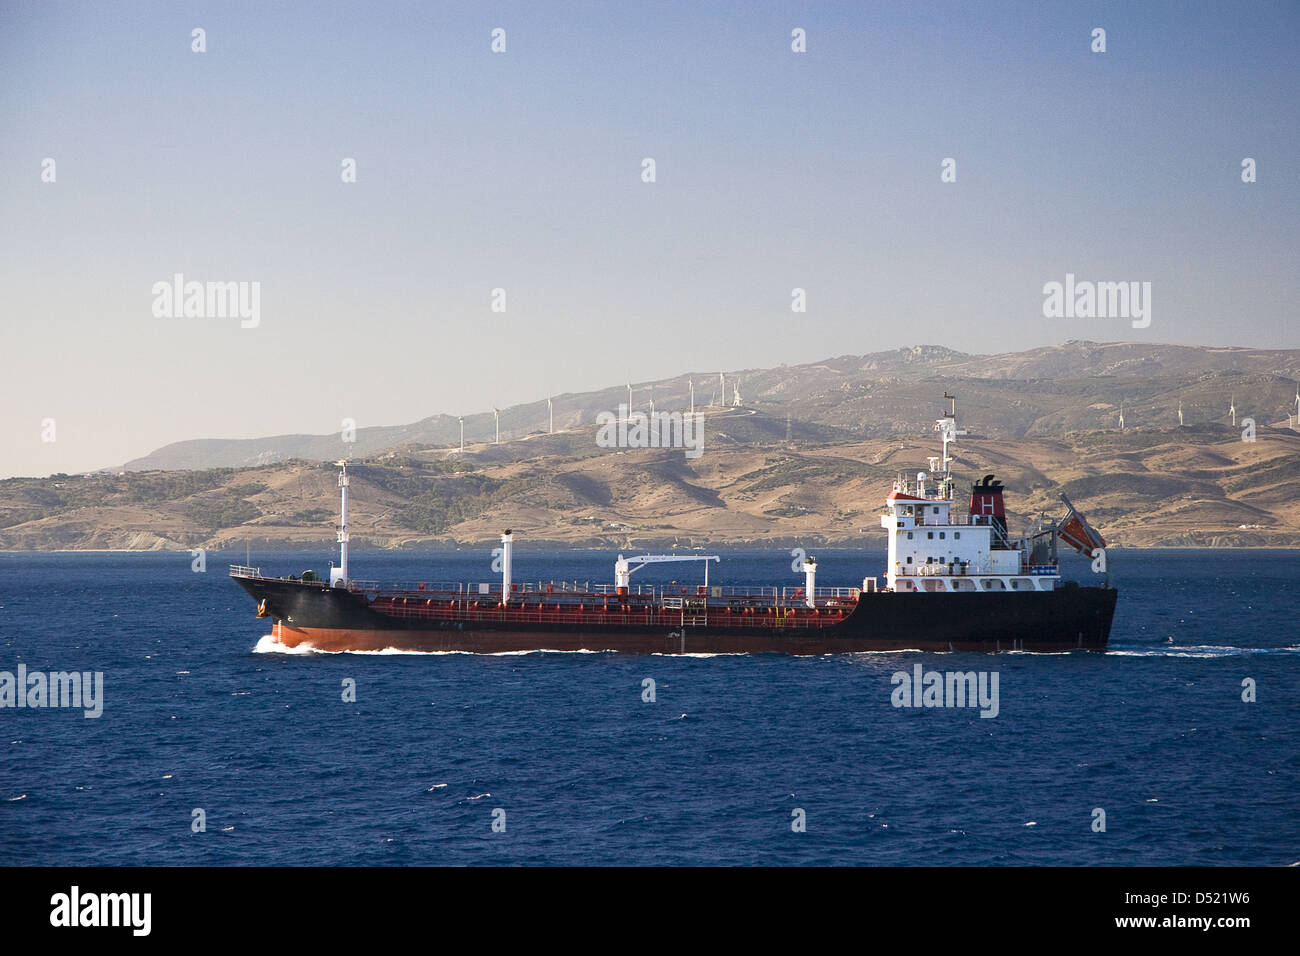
986	504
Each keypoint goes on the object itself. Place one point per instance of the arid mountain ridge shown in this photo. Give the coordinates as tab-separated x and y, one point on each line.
805	459
1040	392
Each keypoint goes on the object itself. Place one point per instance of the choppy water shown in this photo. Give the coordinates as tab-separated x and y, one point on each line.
1154	732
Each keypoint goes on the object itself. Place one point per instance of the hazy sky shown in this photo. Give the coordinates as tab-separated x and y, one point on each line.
523	171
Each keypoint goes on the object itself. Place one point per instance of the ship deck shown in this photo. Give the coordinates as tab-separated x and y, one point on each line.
577	603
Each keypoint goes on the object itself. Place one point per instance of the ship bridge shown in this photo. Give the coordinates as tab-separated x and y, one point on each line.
933	549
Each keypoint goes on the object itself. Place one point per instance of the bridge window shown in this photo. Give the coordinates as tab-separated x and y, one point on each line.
941	535
936	509
929	534
956	534
909	559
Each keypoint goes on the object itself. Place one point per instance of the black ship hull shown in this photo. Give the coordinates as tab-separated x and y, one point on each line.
326	619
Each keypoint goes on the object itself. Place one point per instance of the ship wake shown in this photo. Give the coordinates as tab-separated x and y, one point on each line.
269	644
1202	651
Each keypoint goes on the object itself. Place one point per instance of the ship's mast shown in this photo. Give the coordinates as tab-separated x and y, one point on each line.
948	432
339	575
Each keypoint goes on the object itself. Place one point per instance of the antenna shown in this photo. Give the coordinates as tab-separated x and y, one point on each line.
948	432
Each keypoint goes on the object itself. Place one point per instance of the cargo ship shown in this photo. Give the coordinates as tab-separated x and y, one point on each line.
953	581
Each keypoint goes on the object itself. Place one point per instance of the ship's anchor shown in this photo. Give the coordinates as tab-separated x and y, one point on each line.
261	608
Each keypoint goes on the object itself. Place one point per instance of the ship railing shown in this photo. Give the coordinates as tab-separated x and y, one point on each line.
415	587
663	594
244	571
694	590
837	592
472	587
957	570
943	569
959	520
769	617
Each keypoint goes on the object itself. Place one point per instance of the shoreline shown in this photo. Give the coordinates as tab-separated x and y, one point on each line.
559	546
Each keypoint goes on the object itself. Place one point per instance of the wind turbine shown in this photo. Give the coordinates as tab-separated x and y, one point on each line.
1180	413
736	400
629	401
691	383
496	413
1232	409
550	411
462	433
722	383
1121	415
652	401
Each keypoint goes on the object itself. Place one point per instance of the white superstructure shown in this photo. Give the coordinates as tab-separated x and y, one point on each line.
935	549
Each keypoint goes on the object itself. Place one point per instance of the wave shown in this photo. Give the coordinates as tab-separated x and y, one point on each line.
701	654
269	644
1203	651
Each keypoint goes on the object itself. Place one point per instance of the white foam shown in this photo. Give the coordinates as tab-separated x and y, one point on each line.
701	654
1204	651
270	644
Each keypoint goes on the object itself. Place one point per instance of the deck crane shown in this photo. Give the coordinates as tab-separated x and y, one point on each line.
623	569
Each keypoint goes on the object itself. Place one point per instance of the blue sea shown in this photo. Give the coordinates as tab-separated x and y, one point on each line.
573	766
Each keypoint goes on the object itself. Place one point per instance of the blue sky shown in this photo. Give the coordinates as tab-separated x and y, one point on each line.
521	171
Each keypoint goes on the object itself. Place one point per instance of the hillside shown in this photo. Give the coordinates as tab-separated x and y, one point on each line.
1077	386
1151	487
